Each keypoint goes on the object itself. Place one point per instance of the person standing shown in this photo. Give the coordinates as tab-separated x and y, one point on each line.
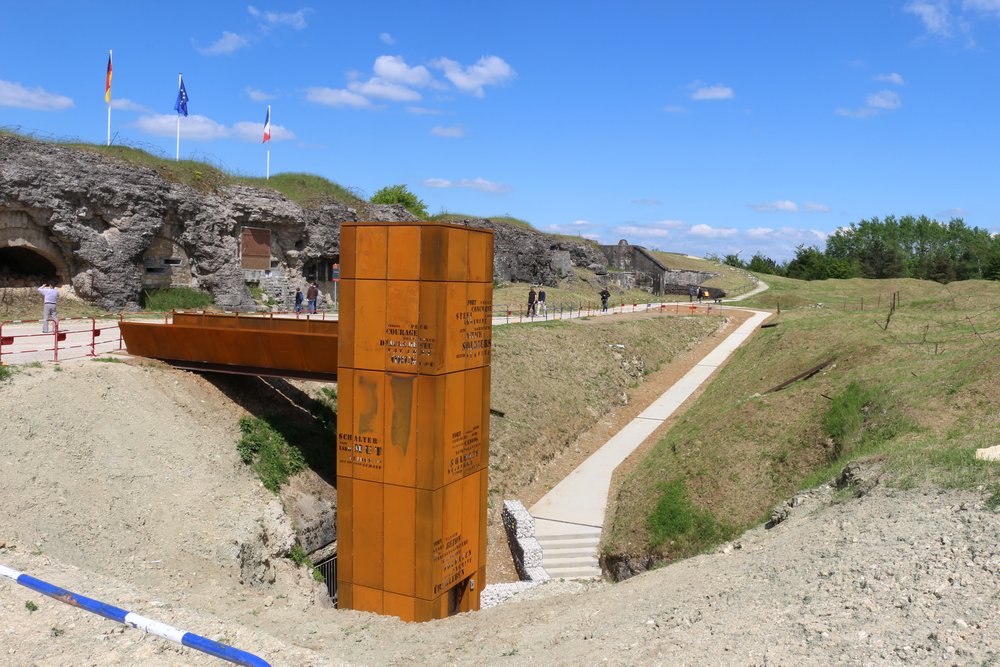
541	301
312	293
532	297
49	295
299	297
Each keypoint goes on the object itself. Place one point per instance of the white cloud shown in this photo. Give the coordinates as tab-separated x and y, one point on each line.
386	38
480	184
671	108
884	99
935	15
783	205
638	231
892	77
716	92
655	230
17	96
258	95
395	69
863	112
487	71
645	202
294	20
250	131
670	224
760	233
576	227
985	6
811	207
950	213
383	89
455	132
337	97
713	232
229	43
422	111
198	128
124	104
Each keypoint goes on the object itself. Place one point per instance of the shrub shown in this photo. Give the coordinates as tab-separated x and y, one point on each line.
175	298
677	519
399	194
266	451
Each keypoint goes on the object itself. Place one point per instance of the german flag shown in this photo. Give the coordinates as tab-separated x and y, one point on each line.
107	81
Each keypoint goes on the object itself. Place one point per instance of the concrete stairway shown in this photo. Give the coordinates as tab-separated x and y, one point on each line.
569	551
569	517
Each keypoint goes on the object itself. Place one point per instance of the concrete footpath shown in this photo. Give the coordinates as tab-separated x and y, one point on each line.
569	518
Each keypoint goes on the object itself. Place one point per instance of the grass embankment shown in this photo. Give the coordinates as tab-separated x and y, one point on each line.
304	189
537	383
918	390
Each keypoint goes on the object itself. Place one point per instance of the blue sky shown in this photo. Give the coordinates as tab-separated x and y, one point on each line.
698	127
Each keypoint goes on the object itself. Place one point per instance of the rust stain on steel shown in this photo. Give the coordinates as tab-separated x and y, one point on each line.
239	344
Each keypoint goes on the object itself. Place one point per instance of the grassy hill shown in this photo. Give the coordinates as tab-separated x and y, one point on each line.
915	387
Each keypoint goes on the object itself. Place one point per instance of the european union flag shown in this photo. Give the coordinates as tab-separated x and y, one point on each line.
181	105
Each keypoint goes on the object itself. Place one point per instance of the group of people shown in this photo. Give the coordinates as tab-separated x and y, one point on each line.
310	298
536	302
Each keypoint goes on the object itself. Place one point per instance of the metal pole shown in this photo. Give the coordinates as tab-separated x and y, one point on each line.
177	157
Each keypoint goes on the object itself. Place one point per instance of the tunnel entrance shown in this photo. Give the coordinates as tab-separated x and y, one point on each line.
23	267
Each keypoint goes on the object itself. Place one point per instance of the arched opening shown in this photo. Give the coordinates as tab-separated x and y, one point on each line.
23	267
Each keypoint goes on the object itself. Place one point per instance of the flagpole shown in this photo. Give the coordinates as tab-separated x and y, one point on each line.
109	98
177	158
267	173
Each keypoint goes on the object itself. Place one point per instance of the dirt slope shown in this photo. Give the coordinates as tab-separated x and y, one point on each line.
890	578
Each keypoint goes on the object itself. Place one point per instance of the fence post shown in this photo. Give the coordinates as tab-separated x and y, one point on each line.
55	341
93	337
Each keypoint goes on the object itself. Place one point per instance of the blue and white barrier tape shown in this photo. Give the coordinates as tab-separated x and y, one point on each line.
188	639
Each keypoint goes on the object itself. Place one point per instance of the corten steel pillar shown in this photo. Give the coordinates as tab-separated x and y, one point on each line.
413	417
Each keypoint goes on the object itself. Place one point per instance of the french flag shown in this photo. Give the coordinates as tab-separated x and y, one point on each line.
267	125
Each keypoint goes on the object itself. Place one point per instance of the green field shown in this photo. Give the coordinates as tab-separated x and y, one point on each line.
914	387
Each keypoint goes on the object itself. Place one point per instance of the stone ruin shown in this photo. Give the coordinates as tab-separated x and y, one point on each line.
111	229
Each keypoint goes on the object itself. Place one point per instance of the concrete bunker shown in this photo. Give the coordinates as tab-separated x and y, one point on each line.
27	256
165	264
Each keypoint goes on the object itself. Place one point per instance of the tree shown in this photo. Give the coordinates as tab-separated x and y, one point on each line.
762	264
735	261
399	194
809	264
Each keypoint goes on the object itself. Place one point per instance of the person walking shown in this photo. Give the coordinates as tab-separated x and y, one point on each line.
541	307
532	297
49	295
299	298
312	293
605	295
